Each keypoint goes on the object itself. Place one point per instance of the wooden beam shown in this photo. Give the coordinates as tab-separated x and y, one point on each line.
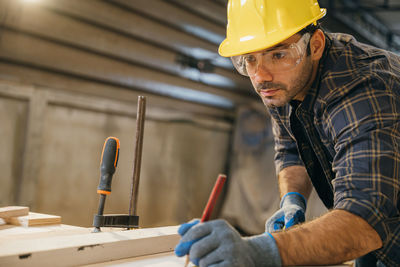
79	249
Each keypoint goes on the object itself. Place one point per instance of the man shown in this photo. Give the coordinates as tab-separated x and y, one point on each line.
335	105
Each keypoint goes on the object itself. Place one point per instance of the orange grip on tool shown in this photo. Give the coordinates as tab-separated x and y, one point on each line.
109	161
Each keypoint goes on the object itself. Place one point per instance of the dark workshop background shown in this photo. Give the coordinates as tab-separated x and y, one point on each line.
70	75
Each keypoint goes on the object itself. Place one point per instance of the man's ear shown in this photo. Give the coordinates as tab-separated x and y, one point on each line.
317	44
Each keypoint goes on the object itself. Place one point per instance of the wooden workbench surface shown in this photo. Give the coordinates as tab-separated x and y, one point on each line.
167	259
11	232
65	245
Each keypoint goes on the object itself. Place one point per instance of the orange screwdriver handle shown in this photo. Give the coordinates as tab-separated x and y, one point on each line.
109	161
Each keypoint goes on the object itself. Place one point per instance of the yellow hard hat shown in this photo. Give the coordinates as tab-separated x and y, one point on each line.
259	24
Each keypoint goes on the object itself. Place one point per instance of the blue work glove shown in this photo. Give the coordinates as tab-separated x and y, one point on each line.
217	244
293	207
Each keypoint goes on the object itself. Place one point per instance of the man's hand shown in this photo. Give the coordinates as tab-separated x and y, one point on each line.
216	243
293	207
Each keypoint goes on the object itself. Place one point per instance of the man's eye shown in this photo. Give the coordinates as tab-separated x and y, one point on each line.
279	55
249	59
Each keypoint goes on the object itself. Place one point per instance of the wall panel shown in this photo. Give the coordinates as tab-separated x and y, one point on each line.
13	118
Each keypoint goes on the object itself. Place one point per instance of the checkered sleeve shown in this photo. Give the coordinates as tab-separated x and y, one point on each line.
365	125
286	153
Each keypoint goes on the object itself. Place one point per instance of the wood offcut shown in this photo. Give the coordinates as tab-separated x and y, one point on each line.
34	219
13	211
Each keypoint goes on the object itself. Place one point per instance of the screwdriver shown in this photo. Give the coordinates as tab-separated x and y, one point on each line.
109	161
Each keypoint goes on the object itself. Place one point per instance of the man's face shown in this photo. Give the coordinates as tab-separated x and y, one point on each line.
277	88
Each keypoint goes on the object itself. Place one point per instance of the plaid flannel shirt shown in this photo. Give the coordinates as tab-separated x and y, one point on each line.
348	136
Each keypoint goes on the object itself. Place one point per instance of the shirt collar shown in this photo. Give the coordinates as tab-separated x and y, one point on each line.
312	93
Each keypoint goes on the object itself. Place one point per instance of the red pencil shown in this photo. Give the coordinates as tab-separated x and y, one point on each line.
211	203
213	197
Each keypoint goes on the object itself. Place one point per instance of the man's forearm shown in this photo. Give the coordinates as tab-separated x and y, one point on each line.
336	237
294	179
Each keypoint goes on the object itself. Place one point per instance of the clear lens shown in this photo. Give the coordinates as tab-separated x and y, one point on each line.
277	60
239	64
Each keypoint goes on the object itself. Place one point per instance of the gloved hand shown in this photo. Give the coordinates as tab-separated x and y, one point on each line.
293	207
216	243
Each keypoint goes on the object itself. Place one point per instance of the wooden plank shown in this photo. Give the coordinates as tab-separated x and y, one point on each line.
79	249
38	52
34	219
55	26
13	211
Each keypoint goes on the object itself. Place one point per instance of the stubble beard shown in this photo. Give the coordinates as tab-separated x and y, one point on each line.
285	95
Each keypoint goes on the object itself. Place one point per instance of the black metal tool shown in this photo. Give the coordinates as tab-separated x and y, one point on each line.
109	161
137	159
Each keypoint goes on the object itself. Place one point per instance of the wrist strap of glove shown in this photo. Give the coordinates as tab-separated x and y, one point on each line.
294	198
266	252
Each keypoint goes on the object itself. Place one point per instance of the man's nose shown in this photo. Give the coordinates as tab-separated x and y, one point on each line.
262	74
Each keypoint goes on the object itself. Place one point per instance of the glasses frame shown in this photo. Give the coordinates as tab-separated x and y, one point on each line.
301	45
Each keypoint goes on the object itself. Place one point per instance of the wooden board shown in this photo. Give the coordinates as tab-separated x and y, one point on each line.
13	211
34	218
89	248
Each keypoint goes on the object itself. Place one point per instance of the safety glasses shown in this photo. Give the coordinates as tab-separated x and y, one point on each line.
277	60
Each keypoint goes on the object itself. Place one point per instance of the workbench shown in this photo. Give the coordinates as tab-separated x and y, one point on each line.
65	245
